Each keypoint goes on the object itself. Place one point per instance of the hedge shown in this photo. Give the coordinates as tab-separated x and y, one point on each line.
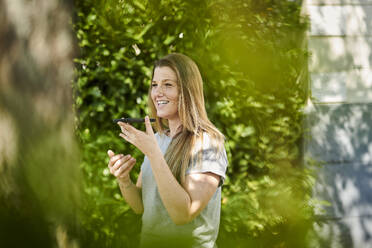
253	62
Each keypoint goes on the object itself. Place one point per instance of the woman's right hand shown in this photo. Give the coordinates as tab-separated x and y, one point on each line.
120	165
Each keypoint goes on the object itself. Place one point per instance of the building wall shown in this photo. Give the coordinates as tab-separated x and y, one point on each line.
340	118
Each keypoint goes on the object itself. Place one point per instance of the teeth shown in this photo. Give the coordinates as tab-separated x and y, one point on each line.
162	102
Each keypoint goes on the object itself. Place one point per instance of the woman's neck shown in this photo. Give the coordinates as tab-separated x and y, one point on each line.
173	126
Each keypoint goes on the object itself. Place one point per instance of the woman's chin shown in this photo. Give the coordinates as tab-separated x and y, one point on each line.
165	116
162	116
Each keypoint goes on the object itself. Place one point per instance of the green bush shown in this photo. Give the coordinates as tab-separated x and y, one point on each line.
253	63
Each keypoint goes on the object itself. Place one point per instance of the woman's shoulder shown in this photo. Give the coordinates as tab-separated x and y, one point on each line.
162	139
211	139
209	142
161	135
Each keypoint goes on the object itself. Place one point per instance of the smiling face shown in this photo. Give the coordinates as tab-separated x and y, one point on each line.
164	93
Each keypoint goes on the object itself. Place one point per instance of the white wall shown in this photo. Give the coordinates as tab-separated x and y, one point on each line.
340	40
340	120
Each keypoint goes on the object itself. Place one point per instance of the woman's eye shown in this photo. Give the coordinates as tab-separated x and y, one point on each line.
154	85
168	85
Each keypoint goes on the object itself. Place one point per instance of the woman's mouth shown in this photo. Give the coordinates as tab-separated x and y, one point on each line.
162	102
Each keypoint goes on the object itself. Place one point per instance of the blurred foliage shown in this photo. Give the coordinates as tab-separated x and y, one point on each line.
39	156
253	62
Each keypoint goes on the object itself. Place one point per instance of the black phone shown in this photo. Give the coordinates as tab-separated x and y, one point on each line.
132	120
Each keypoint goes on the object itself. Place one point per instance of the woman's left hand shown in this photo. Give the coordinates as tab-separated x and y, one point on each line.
145	141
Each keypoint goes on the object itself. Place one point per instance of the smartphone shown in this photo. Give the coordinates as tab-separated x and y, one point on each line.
132	120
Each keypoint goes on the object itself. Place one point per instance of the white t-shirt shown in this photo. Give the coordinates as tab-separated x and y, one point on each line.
158	229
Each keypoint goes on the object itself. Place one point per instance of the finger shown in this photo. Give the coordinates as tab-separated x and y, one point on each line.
126	138
130	128
114	159
117	172
112	171
128	168
126	172
122	127
125	129
148	126
110	153
121	161
122	168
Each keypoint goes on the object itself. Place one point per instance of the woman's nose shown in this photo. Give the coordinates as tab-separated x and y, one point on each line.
160	90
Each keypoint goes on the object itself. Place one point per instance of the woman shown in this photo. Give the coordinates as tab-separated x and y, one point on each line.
178	190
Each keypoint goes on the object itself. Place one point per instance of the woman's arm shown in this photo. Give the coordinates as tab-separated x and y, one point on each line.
132	193
120	166
183	203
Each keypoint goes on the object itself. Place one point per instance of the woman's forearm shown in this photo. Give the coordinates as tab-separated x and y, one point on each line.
174	197
132	195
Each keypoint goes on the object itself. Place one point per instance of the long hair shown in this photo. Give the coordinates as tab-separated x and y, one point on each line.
185	147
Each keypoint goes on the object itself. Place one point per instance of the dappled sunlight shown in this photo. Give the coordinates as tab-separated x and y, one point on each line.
367	157
341	185
337	20
62	238
8	151
349	193
339	132
342	138
341	51
321	15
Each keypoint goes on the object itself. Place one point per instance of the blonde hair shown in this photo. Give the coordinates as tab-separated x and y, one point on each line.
186	145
